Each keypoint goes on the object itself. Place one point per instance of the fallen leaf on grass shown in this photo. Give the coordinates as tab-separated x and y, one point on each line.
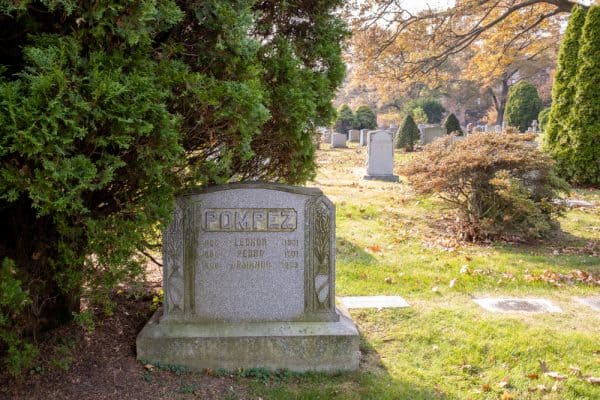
541	388
576	371
505	382
362	276
374	249
149	367
593	380
507	396
464	269
533	376
435	289
453	282
556	375
486	387
389	280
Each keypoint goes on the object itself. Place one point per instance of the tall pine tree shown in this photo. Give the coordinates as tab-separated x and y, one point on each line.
583	163
557	141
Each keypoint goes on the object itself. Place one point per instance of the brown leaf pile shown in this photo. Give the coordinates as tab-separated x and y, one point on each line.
558	279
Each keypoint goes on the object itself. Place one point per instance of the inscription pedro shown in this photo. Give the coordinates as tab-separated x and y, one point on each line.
249	220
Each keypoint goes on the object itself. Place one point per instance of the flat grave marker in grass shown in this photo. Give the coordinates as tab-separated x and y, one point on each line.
517	305
592	302
249	281
374	302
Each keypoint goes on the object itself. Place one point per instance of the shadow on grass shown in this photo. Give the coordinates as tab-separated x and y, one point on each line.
349	252
372	382
564	249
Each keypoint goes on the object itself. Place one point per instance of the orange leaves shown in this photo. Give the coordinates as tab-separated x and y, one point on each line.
374	248
558	279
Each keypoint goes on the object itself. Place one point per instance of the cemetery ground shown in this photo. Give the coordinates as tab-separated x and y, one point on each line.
444	346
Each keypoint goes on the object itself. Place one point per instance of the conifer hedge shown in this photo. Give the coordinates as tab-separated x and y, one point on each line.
110	108
582	164
452	125
408	134
557	137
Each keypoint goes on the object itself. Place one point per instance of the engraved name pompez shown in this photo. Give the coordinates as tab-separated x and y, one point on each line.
249	220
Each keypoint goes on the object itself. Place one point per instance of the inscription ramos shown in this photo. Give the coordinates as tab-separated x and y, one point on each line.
249	220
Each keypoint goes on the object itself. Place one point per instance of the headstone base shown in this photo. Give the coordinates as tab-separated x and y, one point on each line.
295	346
387	178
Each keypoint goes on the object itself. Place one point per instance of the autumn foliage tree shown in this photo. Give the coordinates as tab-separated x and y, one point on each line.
485	43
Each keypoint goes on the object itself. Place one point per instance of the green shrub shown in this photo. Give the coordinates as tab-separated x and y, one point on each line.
408	134
13	299
452	125
418	115
108	114
543	118
500	185
433	109
365	118
345	120
523	105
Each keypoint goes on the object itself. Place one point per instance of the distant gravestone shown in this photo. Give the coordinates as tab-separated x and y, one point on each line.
338	140
429	133
249	282
353	135
364	133
326	136
469	128
515	305
380	156
534	126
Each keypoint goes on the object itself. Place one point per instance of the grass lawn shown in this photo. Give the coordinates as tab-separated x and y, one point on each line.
444	346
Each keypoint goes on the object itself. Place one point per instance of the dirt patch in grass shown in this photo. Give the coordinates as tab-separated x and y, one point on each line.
75	364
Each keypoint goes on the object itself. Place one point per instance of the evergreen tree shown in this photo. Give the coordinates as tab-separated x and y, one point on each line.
557	140
345	120
408	134
543	118
522	106
365	118
108	114
583	164
452	125
433	109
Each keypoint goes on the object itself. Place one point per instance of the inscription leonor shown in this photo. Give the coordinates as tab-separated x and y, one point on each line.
249	220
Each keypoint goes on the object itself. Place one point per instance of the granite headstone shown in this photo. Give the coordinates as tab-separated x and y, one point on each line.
380	156
249	282
338	141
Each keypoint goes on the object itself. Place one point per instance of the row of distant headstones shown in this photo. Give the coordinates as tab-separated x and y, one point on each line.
428	132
